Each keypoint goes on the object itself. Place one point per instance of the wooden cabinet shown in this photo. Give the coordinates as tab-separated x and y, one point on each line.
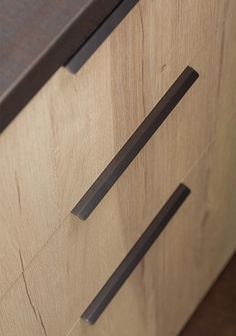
52	263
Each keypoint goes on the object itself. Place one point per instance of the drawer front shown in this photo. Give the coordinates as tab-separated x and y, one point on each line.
70	131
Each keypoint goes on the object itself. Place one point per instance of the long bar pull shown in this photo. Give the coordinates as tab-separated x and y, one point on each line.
135	143
135	255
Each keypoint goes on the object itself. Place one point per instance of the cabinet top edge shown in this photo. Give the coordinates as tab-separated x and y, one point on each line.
36	39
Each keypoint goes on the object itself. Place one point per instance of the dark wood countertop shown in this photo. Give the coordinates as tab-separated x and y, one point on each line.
36	38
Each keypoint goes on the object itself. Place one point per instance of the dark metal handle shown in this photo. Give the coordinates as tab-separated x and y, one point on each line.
135	255
135	143
102	32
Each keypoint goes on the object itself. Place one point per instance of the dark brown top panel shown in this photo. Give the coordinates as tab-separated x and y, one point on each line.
36	38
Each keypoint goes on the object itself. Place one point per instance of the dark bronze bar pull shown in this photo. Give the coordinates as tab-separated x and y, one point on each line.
135	255
135	143
100	34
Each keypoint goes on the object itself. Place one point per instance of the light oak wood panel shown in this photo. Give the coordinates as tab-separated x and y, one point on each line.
80	256
18	314
28	207
227	77
174	30
69	132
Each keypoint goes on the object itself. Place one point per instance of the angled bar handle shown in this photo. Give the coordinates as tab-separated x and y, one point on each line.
135	143
135	255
